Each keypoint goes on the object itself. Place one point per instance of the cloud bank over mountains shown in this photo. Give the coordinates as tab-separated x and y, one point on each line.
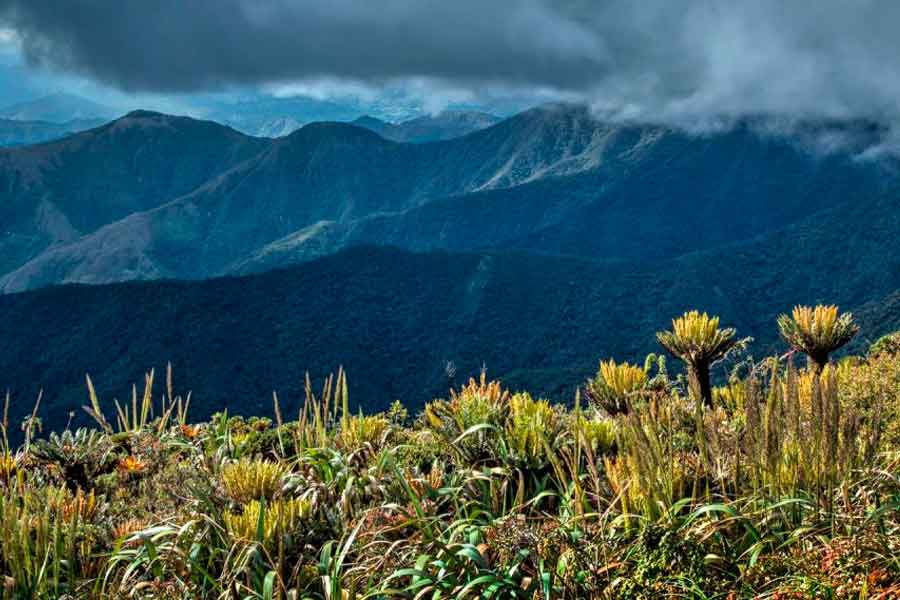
657	58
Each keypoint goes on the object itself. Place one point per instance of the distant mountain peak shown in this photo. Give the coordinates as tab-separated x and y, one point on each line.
369	121
15	132
334	129
58	107
144	114
430	128
149	119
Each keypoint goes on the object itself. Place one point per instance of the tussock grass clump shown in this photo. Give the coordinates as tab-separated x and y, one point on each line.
780	482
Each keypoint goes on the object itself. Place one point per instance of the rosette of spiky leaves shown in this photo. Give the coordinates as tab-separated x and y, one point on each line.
248	480
81	455
364	431
264	522
817	332
697	340
470	421
531	428
616	385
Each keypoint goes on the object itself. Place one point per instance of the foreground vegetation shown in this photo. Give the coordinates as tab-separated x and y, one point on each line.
782	482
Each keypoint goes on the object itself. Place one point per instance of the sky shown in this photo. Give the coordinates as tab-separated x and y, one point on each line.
665	60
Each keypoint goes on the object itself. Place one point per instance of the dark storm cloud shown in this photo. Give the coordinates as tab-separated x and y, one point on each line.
179	45
662	57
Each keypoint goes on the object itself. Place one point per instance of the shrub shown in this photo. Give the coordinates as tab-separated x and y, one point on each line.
886	344
598	434
872	387
363	431
665	564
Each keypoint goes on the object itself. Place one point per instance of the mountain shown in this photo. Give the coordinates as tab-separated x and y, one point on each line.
58	108
257	114
278	127
21	133
197	226
649	195
395	319
180	198
430	128
275	117
58	192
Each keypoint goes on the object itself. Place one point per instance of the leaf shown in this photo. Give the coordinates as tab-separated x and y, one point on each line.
269	586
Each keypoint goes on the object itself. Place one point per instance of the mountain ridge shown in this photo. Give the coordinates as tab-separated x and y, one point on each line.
443	126
58	107
552	179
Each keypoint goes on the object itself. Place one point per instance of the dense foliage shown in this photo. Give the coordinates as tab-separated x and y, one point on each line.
783	483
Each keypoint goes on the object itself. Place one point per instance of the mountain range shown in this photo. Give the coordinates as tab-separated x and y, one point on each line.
430	128
535	246
54	116
425	128
154	196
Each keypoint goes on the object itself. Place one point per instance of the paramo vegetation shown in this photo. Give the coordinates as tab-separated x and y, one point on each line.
742	478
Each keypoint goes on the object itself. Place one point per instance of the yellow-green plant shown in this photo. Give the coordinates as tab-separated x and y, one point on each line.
886	344
250	479
530	429
598	434
472	417
319	415
47	541
730	396
616	385
363	430
873	388
588	437
697	340
800	437
817	332
647	475
8	467
140	414
264	522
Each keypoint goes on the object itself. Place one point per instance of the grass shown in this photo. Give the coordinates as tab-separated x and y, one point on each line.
785	485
